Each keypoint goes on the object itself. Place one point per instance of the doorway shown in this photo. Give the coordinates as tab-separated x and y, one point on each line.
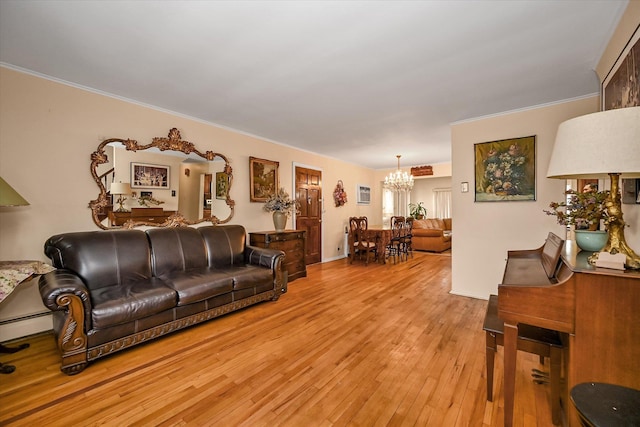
308	184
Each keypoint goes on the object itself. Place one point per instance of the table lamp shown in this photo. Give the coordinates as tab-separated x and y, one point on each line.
601	145
9	196
120	189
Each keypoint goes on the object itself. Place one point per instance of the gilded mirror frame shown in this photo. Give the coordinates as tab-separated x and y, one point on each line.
173	142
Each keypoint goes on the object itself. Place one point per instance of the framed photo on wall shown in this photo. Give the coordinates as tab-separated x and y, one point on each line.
263	179
144	175
222	185
505	170
363	194
620	87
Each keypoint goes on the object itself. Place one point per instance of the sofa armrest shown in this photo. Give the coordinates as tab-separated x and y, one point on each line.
66	294
58	286
263	257
268	258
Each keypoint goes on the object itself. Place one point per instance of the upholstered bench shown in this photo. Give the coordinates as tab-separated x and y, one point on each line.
532	339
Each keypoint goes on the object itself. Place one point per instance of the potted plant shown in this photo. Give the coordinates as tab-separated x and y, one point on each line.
417	211
584	211
282	207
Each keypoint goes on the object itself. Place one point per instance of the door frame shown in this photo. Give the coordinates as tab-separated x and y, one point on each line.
322	211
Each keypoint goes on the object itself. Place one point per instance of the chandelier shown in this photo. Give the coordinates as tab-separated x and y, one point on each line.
398	180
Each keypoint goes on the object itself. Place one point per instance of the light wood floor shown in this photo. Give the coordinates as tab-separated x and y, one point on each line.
350	345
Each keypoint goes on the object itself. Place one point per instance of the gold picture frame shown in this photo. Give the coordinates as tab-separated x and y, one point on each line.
264	179
620	87
505	170
145	175
222	185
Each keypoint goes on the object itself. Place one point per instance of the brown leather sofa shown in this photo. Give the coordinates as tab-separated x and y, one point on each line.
118	288
431	234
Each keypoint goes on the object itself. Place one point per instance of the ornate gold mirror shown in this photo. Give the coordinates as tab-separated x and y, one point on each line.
166	183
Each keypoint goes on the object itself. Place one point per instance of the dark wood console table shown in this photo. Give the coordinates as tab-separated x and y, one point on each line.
154	215
291	242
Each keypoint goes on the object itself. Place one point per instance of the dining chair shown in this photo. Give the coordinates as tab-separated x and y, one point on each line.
408	235
394	248
362	242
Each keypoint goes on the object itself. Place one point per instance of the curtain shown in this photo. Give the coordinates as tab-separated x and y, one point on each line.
443	202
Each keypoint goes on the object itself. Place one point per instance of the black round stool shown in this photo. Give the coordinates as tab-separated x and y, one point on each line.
606	405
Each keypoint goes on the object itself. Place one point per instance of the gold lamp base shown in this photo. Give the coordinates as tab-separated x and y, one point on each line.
616	242
120	201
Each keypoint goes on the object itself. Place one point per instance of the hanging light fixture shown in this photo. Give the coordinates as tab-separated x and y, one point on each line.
398	180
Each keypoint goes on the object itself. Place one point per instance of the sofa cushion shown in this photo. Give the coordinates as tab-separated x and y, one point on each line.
249	276
225	244
433	223
176	249
102	258
114	305
199	284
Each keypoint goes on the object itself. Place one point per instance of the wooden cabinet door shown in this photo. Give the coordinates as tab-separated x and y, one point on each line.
309	197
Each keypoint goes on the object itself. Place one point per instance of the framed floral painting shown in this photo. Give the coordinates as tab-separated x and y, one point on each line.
505	170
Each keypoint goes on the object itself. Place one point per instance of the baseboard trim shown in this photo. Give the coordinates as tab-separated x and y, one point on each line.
21	318
19	327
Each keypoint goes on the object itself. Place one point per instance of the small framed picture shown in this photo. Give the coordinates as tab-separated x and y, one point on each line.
363	194
144	175
222	185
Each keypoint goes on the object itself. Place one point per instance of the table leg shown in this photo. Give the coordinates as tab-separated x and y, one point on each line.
491	354
554	374
510	355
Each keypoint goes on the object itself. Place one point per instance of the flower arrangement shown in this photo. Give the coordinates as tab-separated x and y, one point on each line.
583	210
281	202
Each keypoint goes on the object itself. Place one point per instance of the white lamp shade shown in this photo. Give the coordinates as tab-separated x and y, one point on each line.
120	188
594	145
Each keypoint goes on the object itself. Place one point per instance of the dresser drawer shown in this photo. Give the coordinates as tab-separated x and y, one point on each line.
284	237
291	242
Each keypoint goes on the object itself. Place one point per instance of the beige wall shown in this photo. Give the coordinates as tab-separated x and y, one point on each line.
48	131
484	232
623	32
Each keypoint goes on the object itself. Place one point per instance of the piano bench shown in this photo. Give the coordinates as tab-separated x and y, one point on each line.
531	339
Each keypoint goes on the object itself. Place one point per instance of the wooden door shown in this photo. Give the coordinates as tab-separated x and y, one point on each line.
309	197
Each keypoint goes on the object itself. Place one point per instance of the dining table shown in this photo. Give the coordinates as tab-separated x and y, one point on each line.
382	235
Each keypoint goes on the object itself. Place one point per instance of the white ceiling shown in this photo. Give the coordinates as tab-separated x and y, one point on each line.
355	80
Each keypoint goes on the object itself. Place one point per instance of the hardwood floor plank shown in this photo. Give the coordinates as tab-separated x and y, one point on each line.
349	345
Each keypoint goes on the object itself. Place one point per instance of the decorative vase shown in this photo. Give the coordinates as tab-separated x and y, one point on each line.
591	241
279	221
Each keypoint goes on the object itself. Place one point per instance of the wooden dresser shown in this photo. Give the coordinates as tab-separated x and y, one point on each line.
291	242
